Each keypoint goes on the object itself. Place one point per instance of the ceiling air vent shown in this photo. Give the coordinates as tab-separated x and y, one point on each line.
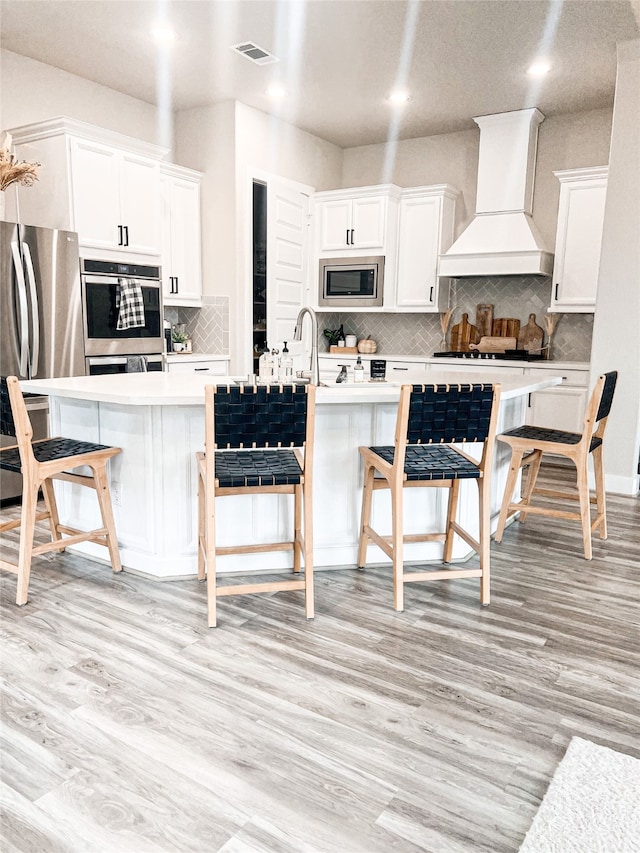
256	54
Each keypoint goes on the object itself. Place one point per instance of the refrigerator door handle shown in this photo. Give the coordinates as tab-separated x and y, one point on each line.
24	314
35	310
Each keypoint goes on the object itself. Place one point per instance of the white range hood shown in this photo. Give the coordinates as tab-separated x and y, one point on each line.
502	239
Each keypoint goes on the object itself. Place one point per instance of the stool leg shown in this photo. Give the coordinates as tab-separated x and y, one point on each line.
297	530
534	459
398	549
210	555
308	555
106	510
485	541
365	515
452	509
52	509
512	476
601	497
201	536
27	533
585	506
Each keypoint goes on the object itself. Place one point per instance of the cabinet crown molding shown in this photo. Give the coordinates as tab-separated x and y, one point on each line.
74	127
389	190
175	171
445	190
564	175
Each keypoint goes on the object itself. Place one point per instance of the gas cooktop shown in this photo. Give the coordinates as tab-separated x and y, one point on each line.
509	355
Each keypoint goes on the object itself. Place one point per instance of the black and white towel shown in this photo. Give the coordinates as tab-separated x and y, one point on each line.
129	304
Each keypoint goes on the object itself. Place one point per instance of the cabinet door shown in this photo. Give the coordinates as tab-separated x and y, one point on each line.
578	243
561	407
181	273
335	225
418	253
140	203
96	194
368	220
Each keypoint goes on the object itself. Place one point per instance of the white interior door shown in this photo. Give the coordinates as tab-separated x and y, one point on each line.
287	259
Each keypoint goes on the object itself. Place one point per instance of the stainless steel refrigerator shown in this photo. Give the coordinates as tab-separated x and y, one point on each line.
40	316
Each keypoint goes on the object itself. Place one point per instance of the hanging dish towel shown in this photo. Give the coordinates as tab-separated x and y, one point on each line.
129	304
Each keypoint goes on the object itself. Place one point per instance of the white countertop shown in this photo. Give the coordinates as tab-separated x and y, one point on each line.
168	389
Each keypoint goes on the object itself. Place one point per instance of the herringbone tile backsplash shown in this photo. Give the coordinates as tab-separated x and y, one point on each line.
419	334
208	326
415	334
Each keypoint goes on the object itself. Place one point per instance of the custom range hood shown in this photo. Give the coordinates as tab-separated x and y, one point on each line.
502	239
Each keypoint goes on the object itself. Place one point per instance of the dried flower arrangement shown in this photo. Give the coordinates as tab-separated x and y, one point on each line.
14	171
445	319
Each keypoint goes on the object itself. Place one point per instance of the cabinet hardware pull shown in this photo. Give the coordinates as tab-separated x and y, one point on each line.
352	233
199	369
126	235
431	294
400	368
177	285
120	235
556	296
347	237
529	402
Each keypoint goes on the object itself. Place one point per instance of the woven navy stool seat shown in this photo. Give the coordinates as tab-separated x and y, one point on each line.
49	450
258	439
244	468
40	463
528	446
431	462
431	420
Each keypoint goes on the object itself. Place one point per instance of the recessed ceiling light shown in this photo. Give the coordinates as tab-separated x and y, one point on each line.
276	91
399	97
164	33
539	68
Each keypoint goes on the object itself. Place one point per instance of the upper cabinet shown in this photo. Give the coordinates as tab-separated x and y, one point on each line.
181	242
351	221
578	239
104	185
425	230
127	217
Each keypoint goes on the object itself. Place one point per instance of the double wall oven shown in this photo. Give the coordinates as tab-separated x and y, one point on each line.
108	348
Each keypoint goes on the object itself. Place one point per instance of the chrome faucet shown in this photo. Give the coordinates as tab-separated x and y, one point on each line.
313	375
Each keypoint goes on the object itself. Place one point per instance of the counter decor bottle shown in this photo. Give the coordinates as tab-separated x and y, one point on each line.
358	371
275	365
341	339
285	371
265	366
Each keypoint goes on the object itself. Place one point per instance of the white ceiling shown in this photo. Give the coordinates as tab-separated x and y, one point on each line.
340	58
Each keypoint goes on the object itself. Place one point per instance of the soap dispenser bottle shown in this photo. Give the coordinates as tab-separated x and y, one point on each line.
265	366
358	371
275	365
285	372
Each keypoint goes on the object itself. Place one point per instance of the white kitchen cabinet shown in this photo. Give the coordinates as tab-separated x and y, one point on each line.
181	236
563	406
218	366
578	239
352	221
425	230
104	185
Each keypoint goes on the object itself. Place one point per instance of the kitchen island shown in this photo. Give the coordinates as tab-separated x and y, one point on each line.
158	421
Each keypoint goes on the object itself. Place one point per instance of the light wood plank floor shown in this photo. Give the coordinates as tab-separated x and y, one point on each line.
129	726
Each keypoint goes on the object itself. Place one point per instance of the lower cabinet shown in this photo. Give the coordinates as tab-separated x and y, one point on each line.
563	406
217	366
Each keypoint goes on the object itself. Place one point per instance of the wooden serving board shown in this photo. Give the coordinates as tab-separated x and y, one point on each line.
484	319
343	350
491	344
508	327
463	334
531	336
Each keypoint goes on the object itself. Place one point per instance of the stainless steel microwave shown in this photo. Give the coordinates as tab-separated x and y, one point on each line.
351	282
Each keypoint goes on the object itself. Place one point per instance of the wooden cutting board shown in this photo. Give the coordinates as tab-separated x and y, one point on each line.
531	336
484	319
462	334
490	344
505	327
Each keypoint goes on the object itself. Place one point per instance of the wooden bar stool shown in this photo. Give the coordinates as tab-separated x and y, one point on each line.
258	440
431	420
41	462
528	445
